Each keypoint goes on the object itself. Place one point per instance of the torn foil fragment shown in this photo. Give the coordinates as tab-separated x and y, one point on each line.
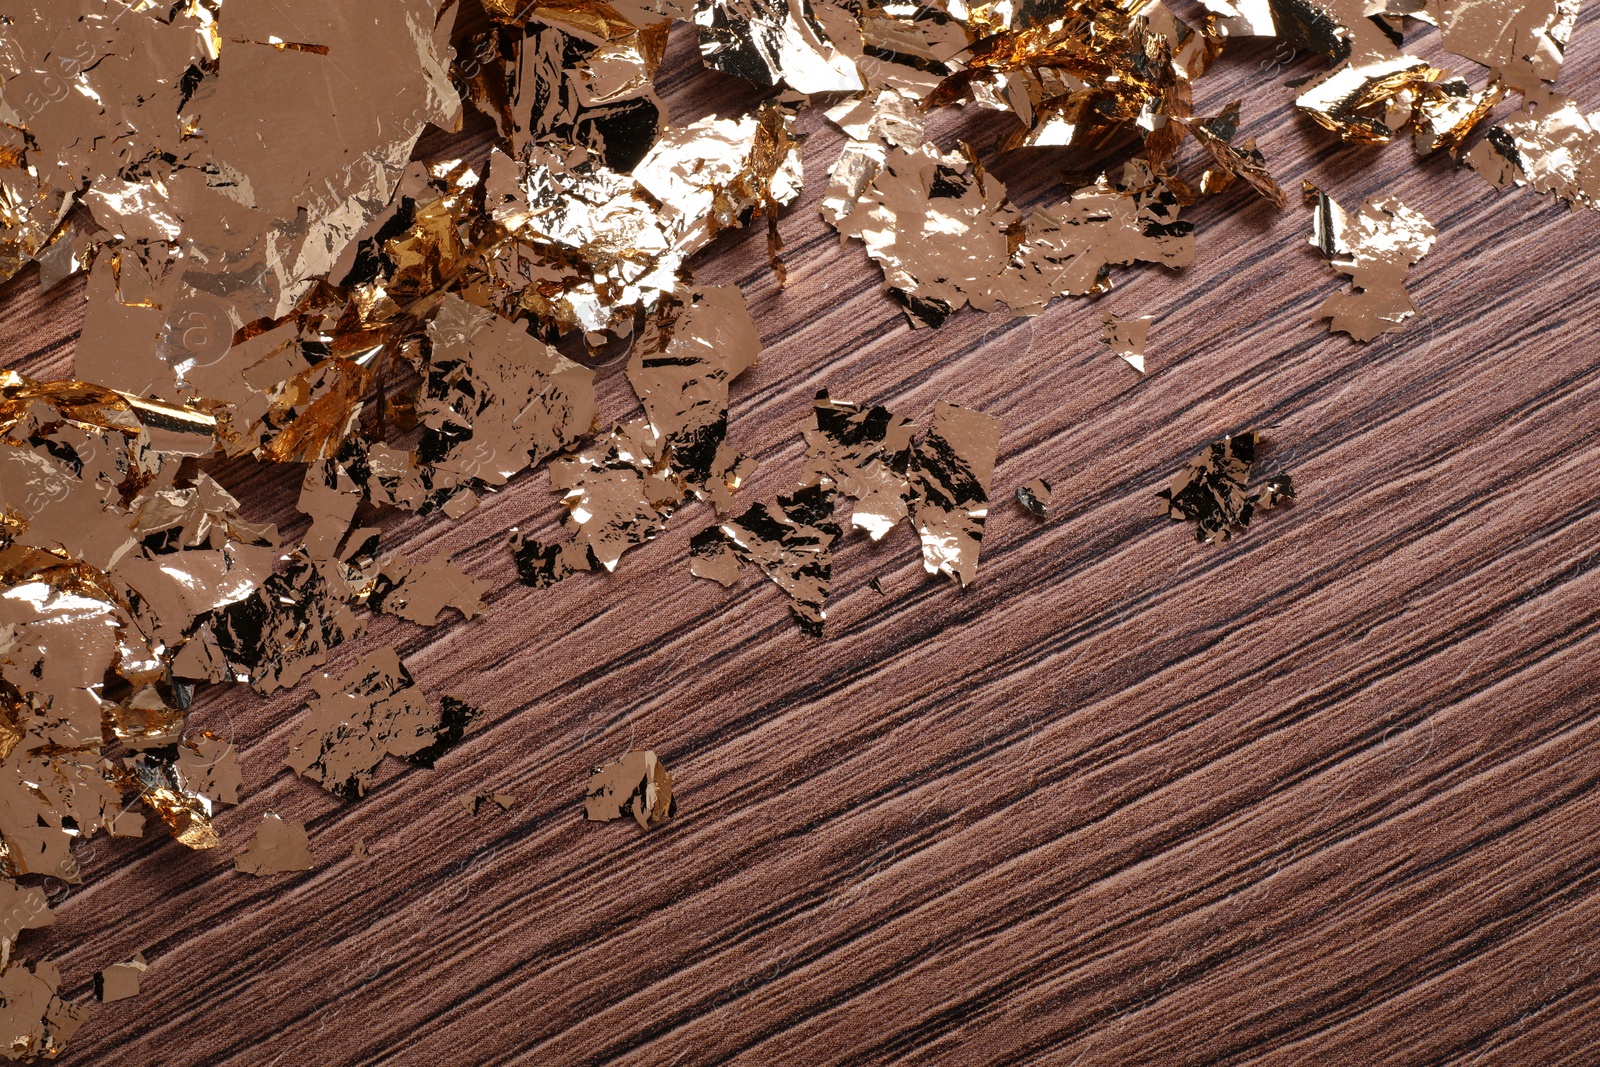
1035	498
421	592
636	784
950	473
864	453
1242	161
374	710
792	544
476	802
775	42
280	846
35	1023
1524	39
1127	337
1210	490
1377	248
120	980
1552	147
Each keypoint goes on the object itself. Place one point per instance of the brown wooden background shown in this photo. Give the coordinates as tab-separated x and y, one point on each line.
1325	794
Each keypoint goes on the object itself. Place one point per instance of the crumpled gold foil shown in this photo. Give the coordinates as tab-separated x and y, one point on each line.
1210	490
280	847
864	453
35	1023
637	784
1127	337
1523	39
1034	498
950	473
1376	248
374	710
775	42
792	544
420	592
1234	161
1554	148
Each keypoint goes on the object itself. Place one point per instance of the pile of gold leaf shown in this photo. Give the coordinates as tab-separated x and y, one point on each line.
269	273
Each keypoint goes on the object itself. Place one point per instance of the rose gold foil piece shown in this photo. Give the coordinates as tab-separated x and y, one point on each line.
280	847
1210	490
636	784
1377	248
1127	337
119	981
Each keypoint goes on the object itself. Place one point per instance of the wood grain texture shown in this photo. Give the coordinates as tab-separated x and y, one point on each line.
1326	794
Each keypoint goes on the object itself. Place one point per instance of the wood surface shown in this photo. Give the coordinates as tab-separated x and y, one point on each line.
1325	794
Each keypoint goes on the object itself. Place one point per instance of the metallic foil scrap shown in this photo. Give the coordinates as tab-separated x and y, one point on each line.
161	786
454	718
1127	337
209	766
681	367
476	802
864	453
1069	249
1210	490
939	228
24	908
278	633
1525	40
619	491
950	473
778	42
280	846
1376	248
495	400
591	248
1035	498
792	544
1448	111
35	1023
374	710
1081	73
636	784
420	592
1342	99
580	72
1554	148
120	980
1234	161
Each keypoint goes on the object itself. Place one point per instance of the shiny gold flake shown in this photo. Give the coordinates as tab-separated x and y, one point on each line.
26	908
280	846
374	710
792	544
1552	147
775	42
1377	248
691	349
120	980
1448	111
1241	161
35	1023
1210	490
420	593
1127	337
864	453
636	784
950	473
1524	39
1035	497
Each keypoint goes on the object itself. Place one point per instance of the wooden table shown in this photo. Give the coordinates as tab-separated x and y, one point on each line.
1324	794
